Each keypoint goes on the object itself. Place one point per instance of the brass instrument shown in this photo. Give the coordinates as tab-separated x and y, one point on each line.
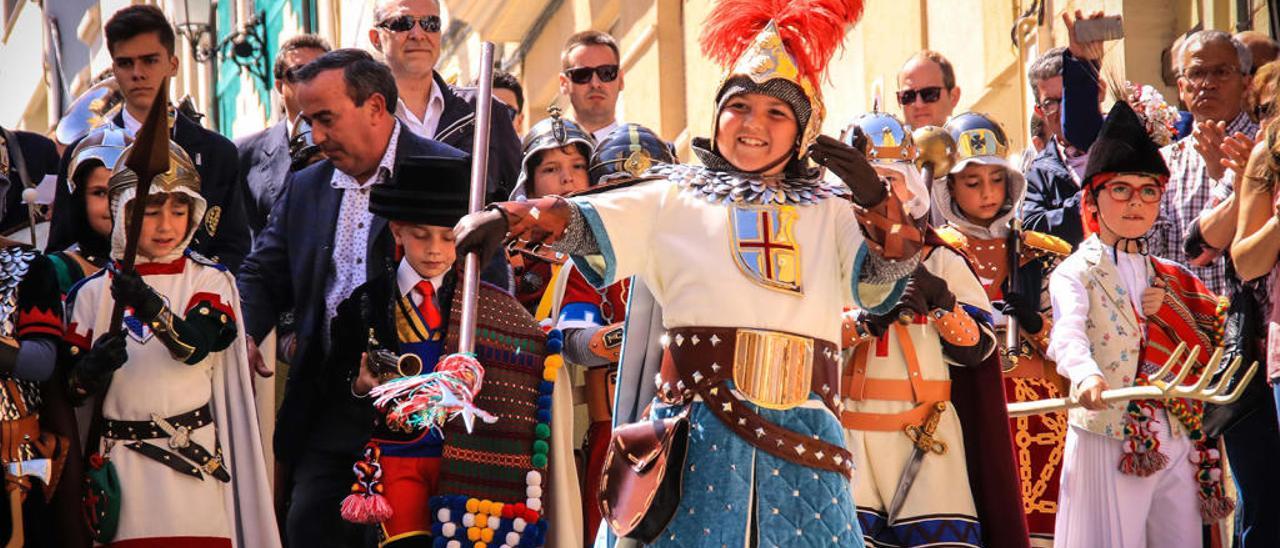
94	108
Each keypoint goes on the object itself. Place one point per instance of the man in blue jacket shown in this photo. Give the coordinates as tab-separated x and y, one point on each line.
320	243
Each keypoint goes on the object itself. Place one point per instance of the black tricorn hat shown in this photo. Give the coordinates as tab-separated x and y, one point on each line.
1123	146
427	190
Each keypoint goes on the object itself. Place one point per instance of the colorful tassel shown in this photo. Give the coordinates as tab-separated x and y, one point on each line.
426	401
365	504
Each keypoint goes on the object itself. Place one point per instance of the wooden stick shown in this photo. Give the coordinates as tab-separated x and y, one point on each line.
148	158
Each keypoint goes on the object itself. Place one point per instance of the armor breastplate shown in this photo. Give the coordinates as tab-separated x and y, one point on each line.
15	262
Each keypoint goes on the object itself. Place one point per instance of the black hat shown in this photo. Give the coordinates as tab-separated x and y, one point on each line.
425	190
1123	146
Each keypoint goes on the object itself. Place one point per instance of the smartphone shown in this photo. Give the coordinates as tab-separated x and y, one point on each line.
1101	29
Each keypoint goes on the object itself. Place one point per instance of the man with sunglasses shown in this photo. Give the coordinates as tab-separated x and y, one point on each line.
592	79
927	89
407	34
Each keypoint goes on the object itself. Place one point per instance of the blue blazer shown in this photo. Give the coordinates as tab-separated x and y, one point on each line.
287	270
264	166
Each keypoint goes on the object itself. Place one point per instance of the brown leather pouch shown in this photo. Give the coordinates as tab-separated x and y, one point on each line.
640	487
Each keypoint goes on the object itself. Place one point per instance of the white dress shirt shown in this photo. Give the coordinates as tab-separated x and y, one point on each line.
131	124
603	132
427	125
407	280
351	235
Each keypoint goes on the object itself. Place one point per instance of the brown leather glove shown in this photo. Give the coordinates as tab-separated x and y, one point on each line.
924	292
481	232
538	221
934	289
852	167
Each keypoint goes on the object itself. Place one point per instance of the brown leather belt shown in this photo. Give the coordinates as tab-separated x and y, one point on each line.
702	360
14	434
858	386
599	383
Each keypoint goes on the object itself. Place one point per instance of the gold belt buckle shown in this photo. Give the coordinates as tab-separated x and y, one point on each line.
773	370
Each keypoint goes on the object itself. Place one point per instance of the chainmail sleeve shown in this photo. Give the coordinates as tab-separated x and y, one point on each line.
879	270
577	238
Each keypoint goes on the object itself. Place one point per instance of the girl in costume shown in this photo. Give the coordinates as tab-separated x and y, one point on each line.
90	212
908	378
751	251
179	432
984	192
1140	473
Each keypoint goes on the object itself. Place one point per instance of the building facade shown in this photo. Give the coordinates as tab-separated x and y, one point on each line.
51	51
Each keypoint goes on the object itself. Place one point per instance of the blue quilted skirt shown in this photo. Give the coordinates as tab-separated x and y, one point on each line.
735	495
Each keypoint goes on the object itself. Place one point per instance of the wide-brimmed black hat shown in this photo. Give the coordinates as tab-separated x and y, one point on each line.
1123	146
425	190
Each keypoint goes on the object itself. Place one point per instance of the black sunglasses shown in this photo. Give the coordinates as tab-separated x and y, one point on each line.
929	95
582	75
404	23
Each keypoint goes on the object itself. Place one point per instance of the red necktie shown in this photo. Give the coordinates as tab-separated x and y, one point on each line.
427	307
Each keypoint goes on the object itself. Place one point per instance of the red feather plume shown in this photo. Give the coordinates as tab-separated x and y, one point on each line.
812	30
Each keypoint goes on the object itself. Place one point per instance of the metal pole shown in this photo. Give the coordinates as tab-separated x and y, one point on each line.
479	178
211	80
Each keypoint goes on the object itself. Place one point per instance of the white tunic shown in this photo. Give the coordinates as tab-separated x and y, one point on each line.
157	501
1098	504
682	246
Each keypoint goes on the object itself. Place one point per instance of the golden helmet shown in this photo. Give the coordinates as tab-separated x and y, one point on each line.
182	174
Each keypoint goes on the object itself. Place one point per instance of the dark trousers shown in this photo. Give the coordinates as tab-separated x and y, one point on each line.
320	481
1252	447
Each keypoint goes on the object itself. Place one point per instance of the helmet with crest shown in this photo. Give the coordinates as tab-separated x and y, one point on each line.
181	178
778	48
627	152
882	137
103	146
551	132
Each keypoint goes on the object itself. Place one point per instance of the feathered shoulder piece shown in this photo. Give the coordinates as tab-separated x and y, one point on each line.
810	31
